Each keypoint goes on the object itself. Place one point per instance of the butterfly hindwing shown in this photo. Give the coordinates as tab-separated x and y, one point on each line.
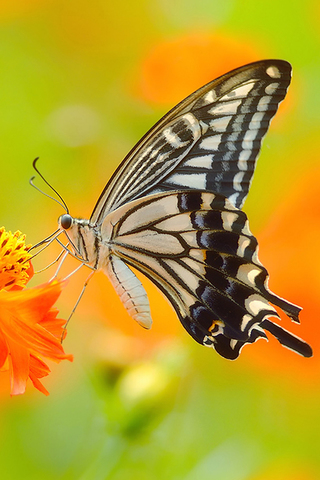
198	249
209	141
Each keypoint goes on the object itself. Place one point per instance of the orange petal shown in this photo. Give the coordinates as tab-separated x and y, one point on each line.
37	384
20	368
29	329
53	324
38	367
3	349
32	304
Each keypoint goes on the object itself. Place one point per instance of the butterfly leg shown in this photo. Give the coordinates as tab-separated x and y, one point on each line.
64	256
50	264
46	241
77	302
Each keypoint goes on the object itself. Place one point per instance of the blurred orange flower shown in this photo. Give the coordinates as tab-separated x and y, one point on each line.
288	247
29	328
174	68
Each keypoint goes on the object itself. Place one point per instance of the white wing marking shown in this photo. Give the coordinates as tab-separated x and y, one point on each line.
210	143
150	213
250	135
192	180
271	89
210	97
244	242
273	72
220	124
263	104
177	223
230	107
239	92
256	121
196	266
237	181
247	273
187	277
228	218
204	161
152	241
234	198
255	303
190	238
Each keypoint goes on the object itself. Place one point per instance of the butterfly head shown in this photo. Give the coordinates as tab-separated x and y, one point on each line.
72	227
65	221
81	237
69	226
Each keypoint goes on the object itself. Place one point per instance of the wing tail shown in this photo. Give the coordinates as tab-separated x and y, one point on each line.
287	339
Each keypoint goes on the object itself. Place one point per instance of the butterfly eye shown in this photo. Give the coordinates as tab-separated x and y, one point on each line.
65	221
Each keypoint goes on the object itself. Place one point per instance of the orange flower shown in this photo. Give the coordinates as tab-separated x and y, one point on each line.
29	328
15	270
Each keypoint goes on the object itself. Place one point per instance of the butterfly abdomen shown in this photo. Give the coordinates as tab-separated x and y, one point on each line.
130	290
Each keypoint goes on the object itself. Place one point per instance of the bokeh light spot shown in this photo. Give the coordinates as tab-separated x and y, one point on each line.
74	125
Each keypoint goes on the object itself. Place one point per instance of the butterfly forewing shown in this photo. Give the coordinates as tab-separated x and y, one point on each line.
197	247
210	141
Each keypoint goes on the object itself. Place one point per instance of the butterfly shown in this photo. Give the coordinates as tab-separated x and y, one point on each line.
172	210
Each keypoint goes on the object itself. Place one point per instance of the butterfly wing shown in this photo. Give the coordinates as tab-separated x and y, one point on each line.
209	141
198	249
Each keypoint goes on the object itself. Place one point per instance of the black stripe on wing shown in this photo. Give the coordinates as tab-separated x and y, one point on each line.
209	141
198	249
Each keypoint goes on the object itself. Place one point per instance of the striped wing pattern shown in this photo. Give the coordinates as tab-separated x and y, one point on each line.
172	210
198	249
209	141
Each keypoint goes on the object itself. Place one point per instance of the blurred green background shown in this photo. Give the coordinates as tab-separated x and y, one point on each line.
80	83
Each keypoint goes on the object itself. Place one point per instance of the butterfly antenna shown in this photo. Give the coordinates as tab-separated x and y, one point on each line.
62	203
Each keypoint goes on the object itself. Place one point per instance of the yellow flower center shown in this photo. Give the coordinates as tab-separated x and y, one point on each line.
14	258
